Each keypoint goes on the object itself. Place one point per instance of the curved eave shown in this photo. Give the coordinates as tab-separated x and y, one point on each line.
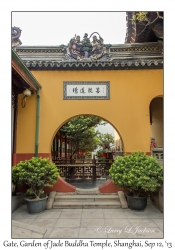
154	63
118	56
24	72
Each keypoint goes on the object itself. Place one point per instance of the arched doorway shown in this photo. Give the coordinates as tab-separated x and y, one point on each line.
156	120
86	166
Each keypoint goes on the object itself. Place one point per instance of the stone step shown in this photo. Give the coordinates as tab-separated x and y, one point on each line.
87	197
87	191
86	200
87	204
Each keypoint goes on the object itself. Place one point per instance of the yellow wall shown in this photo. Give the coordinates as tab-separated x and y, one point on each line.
26	125
131	92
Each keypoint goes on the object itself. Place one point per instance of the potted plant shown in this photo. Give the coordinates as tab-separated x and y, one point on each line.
140	174
37	173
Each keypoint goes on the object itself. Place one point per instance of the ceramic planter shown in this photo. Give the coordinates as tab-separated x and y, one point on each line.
36	206
136	203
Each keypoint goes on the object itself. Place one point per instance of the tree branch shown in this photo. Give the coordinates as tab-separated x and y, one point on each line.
149	23
161	17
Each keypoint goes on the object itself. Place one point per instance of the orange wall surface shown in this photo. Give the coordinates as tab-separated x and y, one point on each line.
131	92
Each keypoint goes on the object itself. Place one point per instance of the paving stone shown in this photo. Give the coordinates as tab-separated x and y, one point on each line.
23	208
159	223
119	215
151	209
117	222
71	214
68	223
92	214
91	233
46	223
65	233
48	232
23	230
155	215
136	214
24	215
49	215
26	221
24	233
17	201
142	223
92	222
114	214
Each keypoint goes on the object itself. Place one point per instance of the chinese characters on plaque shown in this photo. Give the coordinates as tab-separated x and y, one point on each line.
86	90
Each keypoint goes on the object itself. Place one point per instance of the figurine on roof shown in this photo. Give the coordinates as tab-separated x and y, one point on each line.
84	49
98	49
73	49
86	46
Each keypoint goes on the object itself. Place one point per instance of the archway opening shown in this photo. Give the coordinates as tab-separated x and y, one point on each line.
84	148
156	120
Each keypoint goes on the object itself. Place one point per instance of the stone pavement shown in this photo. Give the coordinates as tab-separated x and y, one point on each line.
89	223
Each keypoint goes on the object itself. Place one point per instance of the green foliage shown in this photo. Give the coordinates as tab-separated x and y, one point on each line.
140	16
81	132
100	152
101	160
37	173
137	172
83	135
88	154
105	140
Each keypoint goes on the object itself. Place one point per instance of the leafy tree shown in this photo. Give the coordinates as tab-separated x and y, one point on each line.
137	172
81	132
37	173
90	141
105	140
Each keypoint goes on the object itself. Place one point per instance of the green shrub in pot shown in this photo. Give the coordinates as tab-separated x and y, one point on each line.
37	173
137	172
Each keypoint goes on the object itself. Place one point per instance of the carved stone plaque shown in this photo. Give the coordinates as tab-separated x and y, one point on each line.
86	90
